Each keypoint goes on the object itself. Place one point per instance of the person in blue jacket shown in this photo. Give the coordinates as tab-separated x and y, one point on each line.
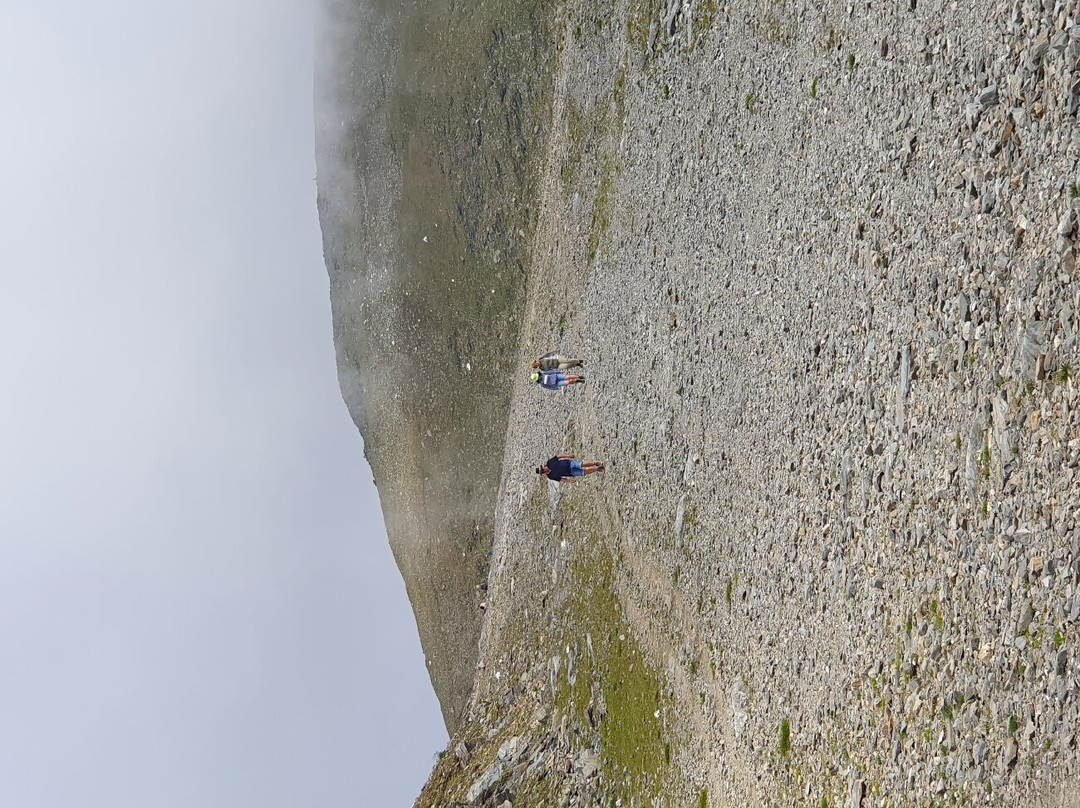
554	379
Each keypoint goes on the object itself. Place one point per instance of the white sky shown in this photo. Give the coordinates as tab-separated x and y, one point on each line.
197	602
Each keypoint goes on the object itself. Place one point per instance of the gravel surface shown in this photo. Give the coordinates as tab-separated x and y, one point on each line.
821	261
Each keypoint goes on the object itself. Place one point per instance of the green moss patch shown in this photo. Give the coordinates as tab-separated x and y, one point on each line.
614	686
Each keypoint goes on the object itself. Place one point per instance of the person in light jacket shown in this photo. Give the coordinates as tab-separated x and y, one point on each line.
553	361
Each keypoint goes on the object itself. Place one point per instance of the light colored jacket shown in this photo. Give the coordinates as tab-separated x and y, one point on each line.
553	361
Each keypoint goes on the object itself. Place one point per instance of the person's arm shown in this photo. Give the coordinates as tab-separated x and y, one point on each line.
565	457
566	480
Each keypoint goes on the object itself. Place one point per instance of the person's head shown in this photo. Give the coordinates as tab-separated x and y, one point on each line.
542	469
536	363
535	377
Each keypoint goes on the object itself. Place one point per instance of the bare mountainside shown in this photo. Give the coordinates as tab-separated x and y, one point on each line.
821	259
424	114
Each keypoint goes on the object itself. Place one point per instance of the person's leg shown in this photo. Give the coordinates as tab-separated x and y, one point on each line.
566	364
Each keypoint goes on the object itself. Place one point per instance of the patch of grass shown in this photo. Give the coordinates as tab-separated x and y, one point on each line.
813	88
830	41
637	27
1059	640
776	24
908	625
851	62
1065	371
703	798
691	519
1073	190
704	16
728	591
667	92
959	442
947	713
750	102
1012	724
575	136
635	750
984	463
784	747
601	218
936	615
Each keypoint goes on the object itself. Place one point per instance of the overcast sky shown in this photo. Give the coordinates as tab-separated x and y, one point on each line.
198	606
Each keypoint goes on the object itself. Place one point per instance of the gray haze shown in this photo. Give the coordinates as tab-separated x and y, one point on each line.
197	602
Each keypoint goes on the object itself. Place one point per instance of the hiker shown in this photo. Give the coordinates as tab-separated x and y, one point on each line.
554	379
553	361
566	467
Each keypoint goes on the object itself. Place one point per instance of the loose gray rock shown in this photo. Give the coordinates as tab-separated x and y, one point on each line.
905	372
988	98
461	752
589	764
1008	758
1038	50
487	782
855	796
1027	613
1066	223
510	750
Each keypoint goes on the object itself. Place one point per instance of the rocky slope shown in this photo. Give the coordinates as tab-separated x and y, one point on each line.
821	260
422	112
